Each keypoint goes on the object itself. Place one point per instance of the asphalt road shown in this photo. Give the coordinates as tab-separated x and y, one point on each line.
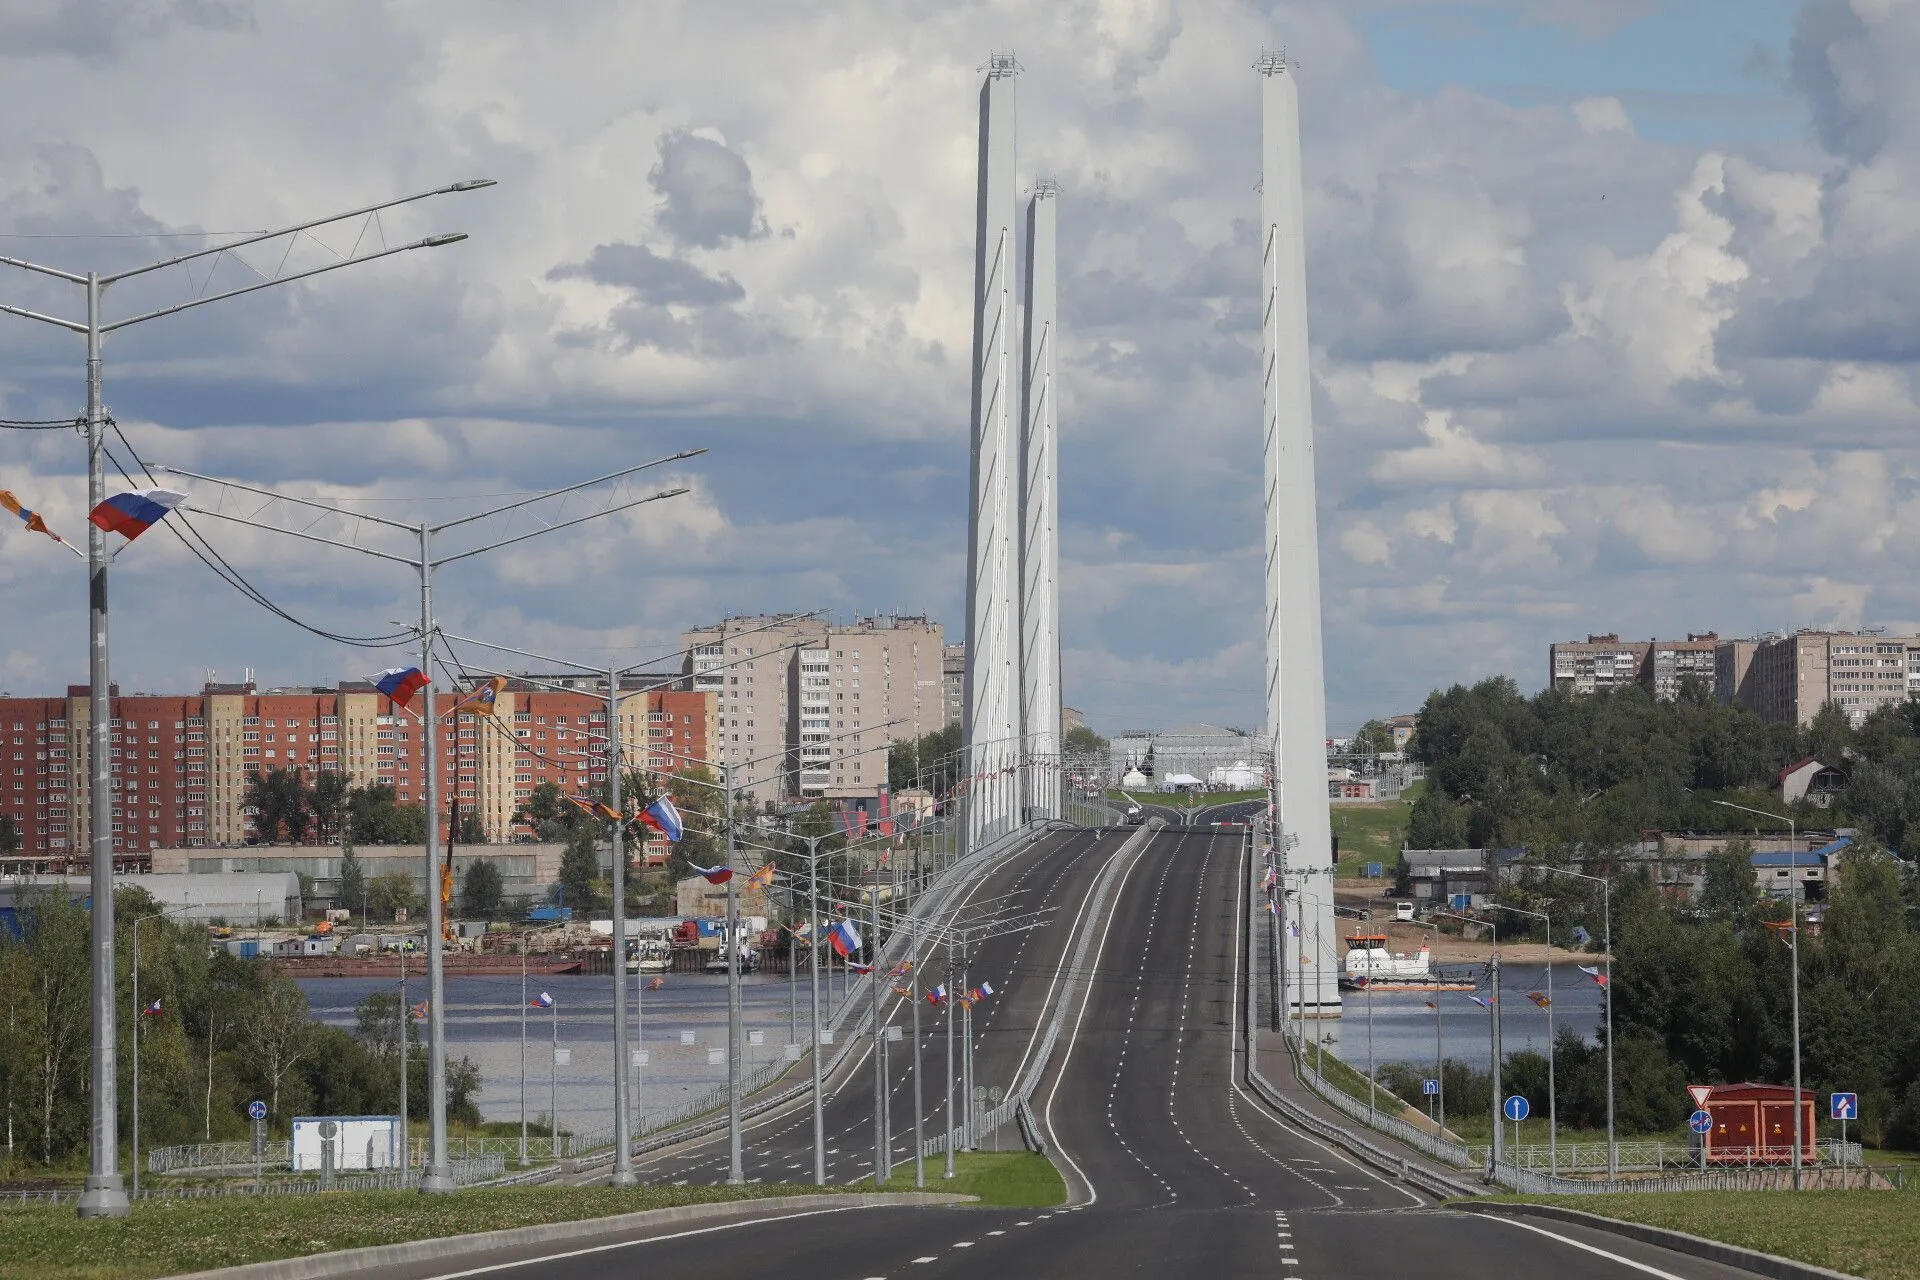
1174	1170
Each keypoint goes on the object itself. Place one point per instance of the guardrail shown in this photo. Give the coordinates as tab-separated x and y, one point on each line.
931	902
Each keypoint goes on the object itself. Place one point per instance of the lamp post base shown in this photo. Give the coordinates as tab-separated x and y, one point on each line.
436	1180
105	1196
624	1178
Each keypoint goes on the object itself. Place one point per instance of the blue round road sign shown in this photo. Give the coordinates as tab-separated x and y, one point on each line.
257	1110
1515	1107
1700	1121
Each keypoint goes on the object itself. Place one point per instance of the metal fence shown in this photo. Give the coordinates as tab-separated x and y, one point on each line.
465	1173
1636	1157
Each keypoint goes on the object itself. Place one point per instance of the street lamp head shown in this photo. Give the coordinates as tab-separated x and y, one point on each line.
473	184
450	237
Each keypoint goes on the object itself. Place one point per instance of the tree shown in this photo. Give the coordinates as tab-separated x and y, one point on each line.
580	870
472	829
390	894
327	801
548	812
481	891
351	888
277	1031
1730	892
376	817
1374	738
280	803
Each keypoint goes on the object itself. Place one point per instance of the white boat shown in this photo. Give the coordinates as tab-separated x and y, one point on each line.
1369	960
649	955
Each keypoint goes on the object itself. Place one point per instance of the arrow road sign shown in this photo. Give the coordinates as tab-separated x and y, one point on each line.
1700	1122
1515	1108
1844	1106
257	1110
1429	1087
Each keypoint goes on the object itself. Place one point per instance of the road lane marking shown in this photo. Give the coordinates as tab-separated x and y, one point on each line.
495	1267
1608	1254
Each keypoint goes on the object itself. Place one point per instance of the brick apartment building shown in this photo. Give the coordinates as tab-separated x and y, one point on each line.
808	707
180	762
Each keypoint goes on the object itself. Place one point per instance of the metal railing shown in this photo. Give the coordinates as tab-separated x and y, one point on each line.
465	1173
1635	1157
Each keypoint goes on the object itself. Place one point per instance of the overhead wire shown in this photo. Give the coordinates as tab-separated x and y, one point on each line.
204	551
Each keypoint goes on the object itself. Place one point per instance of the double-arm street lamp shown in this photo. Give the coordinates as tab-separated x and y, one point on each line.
1606	944
1493	1010
104	1192
1793	902
438	1174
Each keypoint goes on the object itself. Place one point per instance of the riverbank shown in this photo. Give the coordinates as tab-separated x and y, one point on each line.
1448	948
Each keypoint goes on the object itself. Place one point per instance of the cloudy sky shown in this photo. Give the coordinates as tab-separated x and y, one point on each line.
1613	312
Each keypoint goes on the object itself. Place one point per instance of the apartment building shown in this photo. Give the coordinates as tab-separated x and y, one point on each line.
1789	678
180	762
807	707
1607	662
1602	662
953	679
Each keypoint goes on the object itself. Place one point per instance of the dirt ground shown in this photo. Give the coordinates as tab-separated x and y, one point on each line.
1450	948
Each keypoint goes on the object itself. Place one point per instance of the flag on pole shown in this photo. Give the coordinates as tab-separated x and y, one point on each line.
656	984
1485	1002
595	808
844	938
541	1001
714	875
401	683
152	1010
761	878
937	996
1599	977
854	966
482	700
31	519
982	991
132	514
1540	998
664	818
420	1010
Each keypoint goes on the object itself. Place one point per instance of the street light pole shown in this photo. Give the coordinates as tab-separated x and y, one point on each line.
1493	1009
1793	904
736	1174
1606	944
623	1175
104	1192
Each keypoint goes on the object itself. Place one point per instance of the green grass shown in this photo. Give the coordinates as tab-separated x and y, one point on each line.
168	1237
1011	1179
1875	1234
1372	832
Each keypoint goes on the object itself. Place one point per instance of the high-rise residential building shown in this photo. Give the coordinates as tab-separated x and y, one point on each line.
807	707
1733	671
1789	678
181	762
1607	662
1671	663
1603	662
953	681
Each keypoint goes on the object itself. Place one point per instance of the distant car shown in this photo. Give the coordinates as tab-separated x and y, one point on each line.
1403	911
1135	816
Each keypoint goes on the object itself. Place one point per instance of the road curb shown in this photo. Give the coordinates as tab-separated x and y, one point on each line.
1763	1264
315	1266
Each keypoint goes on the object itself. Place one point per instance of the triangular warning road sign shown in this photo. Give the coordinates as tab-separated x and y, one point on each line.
1699	1092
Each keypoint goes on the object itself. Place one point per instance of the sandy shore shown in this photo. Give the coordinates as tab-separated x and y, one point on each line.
1450	948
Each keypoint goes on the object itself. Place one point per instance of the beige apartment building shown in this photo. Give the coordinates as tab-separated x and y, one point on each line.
1607	662
1787	679
807	707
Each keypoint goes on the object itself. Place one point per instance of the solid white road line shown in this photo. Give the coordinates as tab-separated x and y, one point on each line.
1608	1254
496	1267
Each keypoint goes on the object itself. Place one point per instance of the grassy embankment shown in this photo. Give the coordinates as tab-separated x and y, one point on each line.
1011	1179
1875	1234
170	1237
1372	833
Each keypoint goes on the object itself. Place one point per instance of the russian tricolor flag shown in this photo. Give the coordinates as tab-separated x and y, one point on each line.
152	1010
132	514
844	938
664	818
541	1001
937	996
401	683
860	968
714	875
